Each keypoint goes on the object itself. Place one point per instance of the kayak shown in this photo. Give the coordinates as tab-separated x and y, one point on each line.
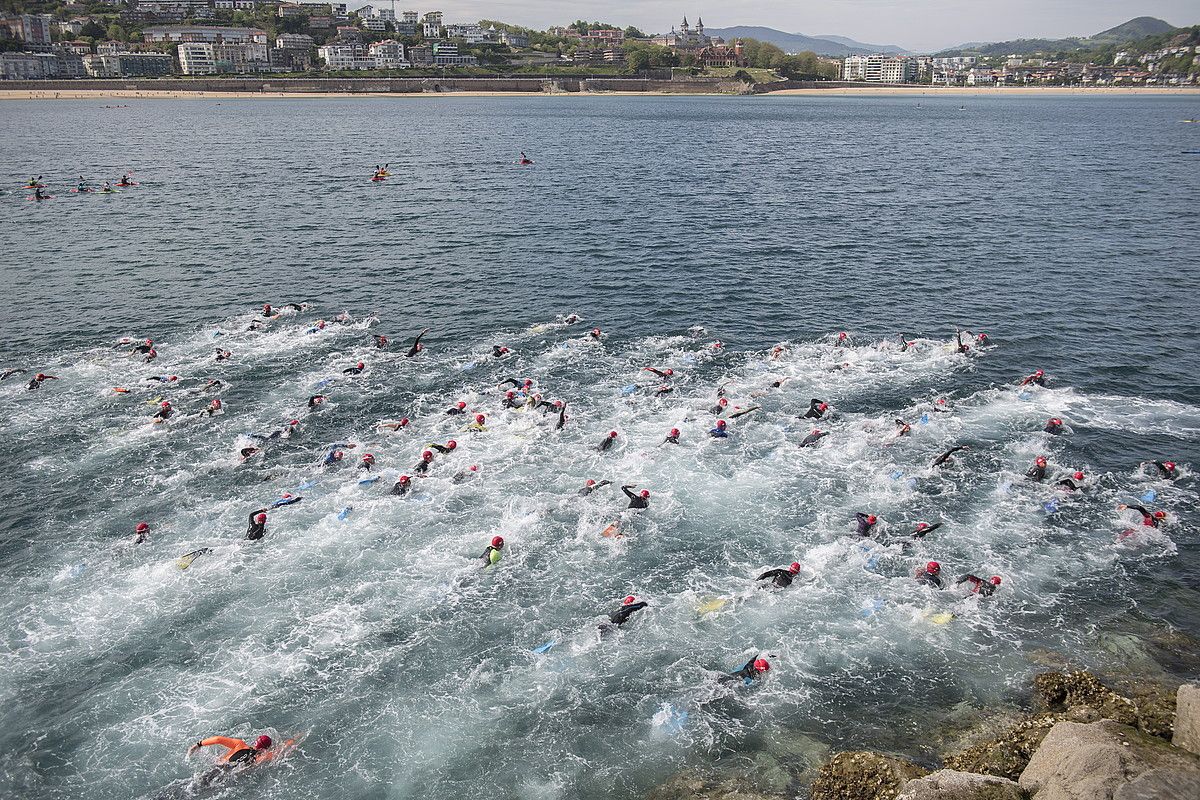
525	163
378	179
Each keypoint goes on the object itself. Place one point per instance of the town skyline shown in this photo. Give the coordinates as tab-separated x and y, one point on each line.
917	26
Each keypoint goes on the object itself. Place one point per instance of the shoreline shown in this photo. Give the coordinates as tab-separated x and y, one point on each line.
864	91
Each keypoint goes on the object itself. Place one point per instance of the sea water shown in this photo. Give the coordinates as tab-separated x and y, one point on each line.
1063	227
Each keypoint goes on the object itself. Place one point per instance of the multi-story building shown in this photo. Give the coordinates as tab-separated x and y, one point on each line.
388	54
513	39
421	55
470	32
879	69
290	59
608	37
203	33
445	54
346	56
128	65
431	25
242	58
78	48
34	31
686	38
197	58
373	24
721	56
409	17
28	66
980	77
294	41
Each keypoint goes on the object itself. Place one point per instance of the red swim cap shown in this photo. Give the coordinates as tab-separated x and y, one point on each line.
292	422
510	393
842	335
1055	421
871	518
450	445
645	493
262	742
173	377
1159	515
723	402
338	455
479	418
590	482
528	381
1038	372
142	527
367	457
822	406
720	423
474	468
1040	461
761	664
669	371
404	479
629	600
922	526
260	518
427	455
933	568
794	567
995	581
360	365
1078	476
941	401
674	431
461	404
612	434
403	422
1169	464
497	542
165	404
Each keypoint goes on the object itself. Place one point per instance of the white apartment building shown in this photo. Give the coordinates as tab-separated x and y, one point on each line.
879	69
203	33
388	54
197	58
472	33
348	55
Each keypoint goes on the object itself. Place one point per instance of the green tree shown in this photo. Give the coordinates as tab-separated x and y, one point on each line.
638	60
92	30
117	33
634	33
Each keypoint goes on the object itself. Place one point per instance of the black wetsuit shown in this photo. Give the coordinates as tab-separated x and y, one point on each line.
422	466
606	443
353	370
672	438
923	532
781	578
315	401
864	524
513	402
929	579
660	391
223	355
8	373
562	419
944	457
380	341
1069	484
746	672
622	614
498	351
454	411
813	412
1170	473
635	500
163	413
143	348
441	448
1040	380
813	438
586	490
962	348
487	555
1037	472
286	501
978	585
400	487
1147	517
256	530
1053	427
412	351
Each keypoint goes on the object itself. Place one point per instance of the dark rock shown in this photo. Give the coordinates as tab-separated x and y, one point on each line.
694	786
859	775
1006	755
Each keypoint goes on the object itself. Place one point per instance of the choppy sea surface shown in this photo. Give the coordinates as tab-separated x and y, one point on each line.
1063	227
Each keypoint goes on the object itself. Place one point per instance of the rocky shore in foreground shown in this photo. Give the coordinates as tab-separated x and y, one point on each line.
1083	741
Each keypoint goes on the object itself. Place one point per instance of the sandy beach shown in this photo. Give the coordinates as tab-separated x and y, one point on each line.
865	91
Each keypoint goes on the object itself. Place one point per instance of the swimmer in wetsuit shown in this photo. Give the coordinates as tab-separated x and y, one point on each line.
814	437
781	578
1071	484
145	347
402	485
1038	471
448	447
458	408
8	373
143	533
492	553
257	527
222	355
422	466
315	401
499	351
416	345
616	619
1053	426
946	456
36	383
562	416
749	671
741	412
672	437
238	755
719	431
639	500
930	575
864	523
1151	519
1038	378
591	486
816	409
607	441
1167	469
923	529
355	370
381	342
394	426
165	410
979	586
662	373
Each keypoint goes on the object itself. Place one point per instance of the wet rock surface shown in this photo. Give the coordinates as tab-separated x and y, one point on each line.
948	784
1187	719
861	775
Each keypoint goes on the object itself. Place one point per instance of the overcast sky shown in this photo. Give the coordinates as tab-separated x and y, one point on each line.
912	24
